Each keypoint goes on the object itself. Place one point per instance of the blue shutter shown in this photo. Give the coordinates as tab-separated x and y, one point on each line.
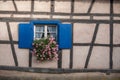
25	36
65	36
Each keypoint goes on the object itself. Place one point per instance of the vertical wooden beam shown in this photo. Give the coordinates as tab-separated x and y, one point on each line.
111	35
52	8
60	59
30	58
32	7
71	50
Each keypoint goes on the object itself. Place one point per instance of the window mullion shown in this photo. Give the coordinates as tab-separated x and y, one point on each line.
45	31
34	31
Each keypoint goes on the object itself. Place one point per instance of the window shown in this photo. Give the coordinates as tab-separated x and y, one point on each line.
37	29
44	31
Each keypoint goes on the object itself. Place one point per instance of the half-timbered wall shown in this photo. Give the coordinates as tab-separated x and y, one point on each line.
95	25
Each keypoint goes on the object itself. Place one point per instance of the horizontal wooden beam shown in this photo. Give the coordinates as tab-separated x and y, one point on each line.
4	19
59	13
58	71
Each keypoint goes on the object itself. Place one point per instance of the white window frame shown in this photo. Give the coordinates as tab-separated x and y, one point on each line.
45	31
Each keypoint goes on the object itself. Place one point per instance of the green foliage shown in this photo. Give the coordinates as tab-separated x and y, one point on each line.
45	49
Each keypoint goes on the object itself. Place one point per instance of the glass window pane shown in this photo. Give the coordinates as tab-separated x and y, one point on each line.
39	35
51	28
40	31
39	28
36	35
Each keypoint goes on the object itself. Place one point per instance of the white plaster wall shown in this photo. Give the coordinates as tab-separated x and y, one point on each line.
81	17
43	64
116	58
101	6
103	34
23	5
6	57
14	30
5	15
42	6
101	17
79	56
81	6
62	6
3	31
22	56
61	17
4	6
116	6
41	16
116	18
21	16
82	33
99	58
116	34
65	58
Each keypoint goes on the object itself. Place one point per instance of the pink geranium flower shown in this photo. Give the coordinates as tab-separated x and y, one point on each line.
45	49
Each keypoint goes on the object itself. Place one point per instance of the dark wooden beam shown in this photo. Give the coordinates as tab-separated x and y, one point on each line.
58	71
91	46
12	44
111	35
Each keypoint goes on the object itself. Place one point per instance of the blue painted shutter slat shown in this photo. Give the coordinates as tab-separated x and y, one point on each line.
25	36
65	36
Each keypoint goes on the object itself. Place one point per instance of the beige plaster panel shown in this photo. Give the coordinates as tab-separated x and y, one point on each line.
5	15
81	6
116	6
14	30
21	16
61	17
116	34
63	6
3	31
116	58
83	33
101	6
79	56
103	34
23	5
22	56
41	16
42	6
44	64
101	17
116	18
99	58
4	6
81	17
6	57
65	58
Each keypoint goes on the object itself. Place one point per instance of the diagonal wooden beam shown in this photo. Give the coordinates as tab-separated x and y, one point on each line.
15	6
12	44
91	5
91	46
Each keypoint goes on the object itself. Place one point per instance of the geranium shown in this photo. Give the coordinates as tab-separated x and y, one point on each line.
45	49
